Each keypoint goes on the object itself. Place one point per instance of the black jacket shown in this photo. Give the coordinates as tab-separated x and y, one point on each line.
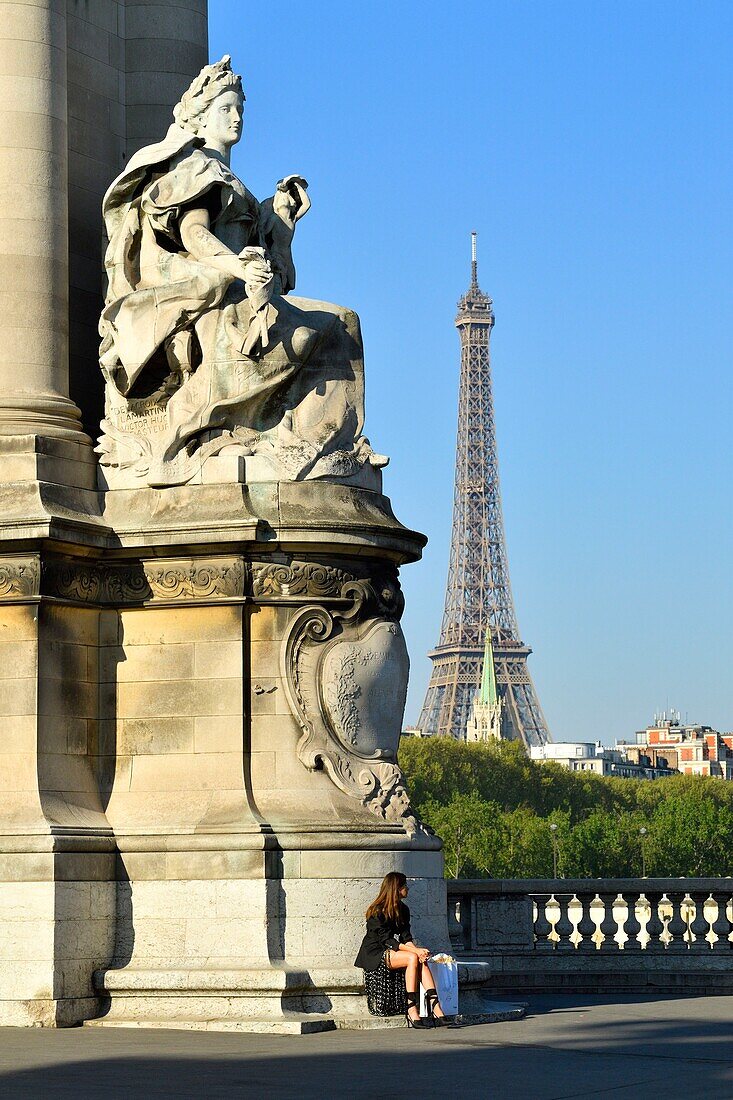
381	933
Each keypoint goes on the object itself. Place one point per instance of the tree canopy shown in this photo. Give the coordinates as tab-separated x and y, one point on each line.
493	808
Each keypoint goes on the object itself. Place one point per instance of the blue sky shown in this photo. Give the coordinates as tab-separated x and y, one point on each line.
589	144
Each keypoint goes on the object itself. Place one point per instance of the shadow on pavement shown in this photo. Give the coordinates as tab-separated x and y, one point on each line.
459	1068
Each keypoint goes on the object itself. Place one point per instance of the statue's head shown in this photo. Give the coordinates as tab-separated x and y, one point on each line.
213	105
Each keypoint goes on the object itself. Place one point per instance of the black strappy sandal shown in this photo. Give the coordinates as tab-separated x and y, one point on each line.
431	1000
412	1003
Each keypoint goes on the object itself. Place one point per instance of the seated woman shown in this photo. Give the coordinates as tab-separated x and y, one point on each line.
202	353
388	945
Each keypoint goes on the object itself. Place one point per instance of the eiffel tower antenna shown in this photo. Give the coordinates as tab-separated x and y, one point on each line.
478	598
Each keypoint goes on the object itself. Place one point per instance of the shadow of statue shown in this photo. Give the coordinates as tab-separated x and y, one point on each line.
108	763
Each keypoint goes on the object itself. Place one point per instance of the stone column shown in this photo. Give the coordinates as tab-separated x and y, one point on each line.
34	250
166	45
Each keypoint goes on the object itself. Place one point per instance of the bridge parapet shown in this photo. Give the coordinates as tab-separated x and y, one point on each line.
596	935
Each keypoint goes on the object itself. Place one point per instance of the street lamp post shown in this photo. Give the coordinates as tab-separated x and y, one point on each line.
642	834
553	834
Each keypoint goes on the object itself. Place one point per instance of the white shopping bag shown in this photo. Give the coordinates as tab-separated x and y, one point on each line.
444	969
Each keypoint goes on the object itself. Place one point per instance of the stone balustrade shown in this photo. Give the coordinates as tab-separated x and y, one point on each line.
597	934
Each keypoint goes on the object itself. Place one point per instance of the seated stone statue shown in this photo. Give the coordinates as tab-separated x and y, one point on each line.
202	352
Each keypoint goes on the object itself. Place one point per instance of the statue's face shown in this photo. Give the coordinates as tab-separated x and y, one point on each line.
221	124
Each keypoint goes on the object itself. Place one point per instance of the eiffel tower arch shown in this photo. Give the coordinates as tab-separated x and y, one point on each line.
478	598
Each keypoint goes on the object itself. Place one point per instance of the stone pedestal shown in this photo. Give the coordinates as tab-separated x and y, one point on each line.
204	696
201	686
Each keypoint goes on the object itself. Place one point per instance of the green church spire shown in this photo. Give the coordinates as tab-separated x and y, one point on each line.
488	692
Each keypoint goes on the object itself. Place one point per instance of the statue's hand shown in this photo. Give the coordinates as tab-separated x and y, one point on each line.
291	201
256	269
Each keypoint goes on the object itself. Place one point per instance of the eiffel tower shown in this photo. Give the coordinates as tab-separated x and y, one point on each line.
478	599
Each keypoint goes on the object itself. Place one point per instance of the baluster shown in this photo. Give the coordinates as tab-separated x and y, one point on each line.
665	912
542	926
586	924
677	925
564	926
609	926
721	924
643	911
632	927
456	929
655	925
700	925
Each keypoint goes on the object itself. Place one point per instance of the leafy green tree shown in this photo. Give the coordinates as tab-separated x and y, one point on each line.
604	845
493	807
528	851
691	834
454	824
489	840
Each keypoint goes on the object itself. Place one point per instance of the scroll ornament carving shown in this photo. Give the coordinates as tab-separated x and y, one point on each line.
172	581
95	582
136	582
73	581
20	576
297	579
346	677
126	585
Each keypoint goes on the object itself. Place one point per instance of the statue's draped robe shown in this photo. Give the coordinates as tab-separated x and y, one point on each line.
299	396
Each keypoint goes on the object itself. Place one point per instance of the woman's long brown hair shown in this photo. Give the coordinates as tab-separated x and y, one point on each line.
388	901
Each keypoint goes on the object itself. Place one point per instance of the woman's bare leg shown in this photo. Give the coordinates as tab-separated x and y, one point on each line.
407	961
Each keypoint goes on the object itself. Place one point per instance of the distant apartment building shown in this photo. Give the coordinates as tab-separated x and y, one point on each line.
590	756
412	731
689	749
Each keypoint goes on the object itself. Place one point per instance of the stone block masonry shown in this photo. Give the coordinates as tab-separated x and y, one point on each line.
159	824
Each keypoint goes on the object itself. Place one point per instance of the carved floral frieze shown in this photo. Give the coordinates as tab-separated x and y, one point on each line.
365	587
19	576
195	579
297	578
365	590
143	582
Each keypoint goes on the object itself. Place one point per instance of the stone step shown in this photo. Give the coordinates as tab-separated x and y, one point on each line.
307	1023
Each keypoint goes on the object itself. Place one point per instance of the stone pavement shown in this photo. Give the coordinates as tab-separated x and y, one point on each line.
616	1047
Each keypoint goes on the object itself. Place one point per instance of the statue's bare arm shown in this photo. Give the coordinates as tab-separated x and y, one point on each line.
205	246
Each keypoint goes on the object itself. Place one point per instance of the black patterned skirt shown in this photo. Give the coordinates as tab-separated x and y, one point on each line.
385	991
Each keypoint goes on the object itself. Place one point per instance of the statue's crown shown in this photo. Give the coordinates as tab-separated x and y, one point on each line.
210	82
